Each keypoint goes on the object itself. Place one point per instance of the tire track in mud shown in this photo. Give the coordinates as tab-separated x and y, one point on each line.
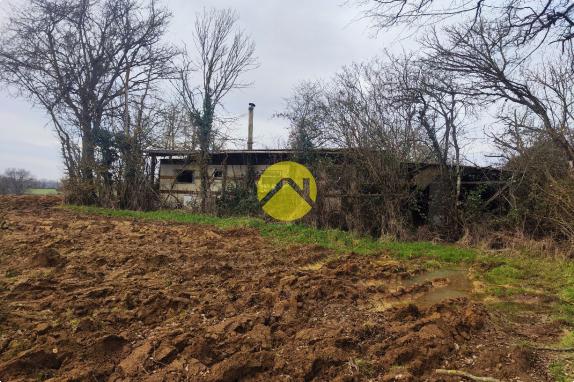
99	299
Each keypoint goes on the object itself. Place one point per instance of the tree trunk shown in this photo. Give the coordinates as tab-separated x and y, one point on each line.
204	175
88	152
86	192
205	135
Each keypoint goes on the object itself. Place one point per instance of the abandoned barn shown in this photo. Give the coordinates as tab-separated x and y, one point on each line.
179	181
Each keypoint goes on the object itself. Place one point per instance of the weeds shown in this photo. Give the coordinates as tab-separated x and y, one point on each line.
365	367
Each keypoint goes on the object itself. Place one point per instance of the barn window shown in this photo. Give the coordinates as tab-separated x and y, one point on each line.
218	173
185	176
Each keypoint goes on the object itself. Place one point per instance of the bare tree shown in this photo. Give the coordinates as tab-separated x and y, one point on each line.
222	53
387	112
176	131
379	138
75	59
487	58
358	111
429	103
546	19
306	111
15	181
363	115
442	109
136	131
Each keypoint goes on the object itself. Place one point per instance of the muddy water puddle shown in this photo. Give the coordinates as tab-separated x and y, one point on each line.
424	289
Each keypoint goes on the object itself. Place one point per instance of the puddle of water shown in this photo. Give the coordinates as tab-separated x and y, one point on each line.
446	284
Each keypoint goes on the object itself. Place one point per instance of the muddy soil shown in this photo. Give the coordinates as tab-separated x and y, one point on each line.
90	298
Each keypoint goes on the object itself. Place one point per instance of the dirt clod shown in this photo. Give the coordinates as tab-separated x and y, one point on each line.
48	257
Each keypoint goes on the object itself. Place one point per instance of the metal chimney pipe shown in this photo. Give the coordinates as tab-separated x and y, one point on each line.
250	129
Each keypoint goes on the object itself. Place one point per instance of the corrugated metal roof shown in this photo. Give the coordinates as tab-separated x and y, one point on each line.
261	156
167	152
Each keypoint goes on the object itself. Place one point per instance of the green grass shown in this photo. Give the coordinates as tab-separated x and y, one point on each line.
552	280
532	275
558	372
287	234
561	368
567	341
41	191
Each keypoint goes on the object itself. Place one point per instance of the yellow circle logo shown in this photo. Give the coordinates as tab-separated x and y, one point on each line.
286	191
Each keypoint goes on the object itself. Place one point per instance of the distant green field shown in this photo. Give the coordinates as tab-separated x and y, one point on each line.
41	191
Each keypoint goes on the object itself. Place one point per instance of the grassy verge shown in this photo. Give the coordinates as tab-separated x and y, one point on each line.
529	288
300	234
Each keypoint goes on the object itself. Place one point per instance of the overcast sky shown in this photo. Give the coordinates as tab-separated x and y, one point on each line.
295	40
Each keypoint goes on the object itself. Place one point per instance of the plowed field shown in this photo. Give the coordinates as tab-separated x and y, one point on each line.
91	298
